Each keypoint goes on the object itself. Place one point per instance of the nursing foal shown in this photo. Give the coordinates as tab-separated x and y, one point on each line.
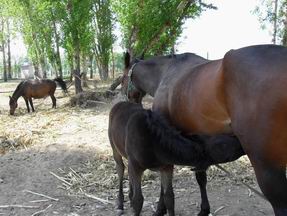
148	141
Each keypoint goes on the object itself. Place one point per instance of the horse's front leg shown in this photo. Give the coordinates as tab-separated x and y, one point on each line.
27	104
161	208
31	104
53	101
168	195
135	176
120	171
201	179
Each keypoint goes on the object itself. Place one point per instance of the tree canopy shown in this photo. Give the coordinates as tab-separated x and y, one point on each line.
68	37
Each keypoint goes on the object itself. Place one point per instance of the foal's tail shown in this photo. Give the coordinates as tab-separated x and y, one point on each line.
62	84
171	147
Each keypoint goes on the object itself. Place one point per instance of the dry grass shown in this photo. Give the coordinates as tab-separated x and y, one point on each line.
47	126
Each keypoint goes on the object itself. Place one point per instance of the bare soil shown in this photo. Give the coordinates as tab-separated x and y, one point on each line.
64	154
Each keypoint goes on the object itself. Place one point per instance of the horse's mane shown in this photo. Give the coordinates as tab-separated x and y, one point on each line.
19	86
173	147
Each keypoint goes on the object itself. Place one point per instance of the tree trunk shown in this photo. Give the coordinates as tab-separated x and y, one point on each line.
4	54
275	15
104	72
91	58
58	56
71	65
84	72
43	73
9	51
77	73
284	39
36	69
113	62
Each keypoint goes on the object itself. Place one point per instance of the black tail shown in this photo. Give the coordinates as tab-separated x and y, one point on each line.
62	84
171	147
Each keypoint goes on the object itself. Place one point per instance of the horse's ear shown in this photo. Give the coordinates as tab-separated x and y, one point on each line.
10	97
127	59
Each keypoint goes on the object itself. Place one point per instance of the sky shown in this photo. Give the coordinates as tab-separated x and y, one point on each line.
214	33
217	31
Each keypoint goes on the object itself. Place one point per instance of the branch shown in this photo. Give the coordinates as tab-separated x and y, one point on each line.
182	7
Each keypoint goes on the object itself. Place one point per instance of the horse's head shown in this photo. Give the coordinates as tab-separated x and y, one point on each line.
130	88
13	105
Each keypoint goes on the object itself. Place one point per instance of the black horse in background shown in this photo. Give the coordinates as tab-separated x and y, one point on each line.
37	88
148	141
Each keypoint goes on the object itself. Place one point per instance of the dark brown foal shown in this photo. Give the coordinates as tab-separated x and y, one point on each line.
149	142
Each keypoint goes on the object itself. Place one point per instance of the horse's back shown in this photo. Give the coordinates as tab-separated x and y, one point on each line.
118	120
39	88
194	102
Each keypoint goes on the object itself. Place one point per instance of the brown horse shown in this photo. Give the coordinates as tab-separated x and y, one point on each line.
244	93
148	141
29	89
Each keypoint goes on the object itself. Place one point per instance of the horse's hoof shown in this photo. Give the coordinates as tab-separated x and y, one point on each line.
119	212
204	213
158	214
161	213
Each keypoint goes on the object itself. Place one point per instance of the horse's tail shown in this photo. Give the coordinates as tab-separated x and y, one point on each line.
171	147
62	84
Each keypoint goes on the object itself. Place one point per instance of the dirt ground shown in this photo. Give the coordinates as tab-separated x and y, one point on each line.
58	162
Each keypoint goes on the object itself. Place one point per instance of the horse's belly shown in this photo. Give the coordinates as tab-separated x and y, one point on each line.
202	124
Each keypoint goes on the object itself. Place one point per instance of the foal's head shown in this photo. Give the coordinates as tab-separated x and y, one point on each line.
129	87
13	105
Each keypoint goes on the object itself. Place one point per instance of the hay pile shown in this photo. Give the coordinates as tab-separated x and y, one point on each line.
92	99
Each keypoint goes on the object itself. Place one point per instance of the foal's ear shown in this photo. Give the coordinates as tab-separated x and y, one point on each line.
127	59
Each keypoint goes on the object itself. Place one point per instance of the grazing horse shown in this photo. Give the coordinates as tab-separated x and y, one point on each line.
148	141
244	93
36	88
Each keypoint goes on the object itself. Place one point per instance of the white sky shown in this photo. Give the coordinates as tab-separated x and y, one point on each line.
216	31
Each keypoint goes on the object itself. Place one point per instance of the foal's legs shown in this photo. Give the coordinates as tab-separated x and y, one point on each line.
53	100
27	104
168	195
161	208
31	103
273	183
120	170
202	181
135	176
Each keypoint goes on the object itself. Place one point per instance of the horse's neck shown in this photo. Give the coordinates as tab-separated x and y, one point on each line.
148	77
146	80
17	93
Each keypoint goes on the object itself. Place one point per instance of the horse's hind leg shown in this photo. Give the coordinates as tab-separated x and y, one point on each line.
135	175
168	195
161	208
53	100
27	105
201	179
273	183
31	104
120	170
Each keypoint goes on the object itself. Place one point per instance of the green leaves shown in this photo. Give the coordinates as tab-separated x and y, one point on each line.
272	14
153	26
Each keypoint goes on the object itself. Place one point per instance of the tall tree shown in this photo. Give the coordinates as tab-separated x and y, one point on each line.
5	78
9	66
76	16
104	39
152	26
272	15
